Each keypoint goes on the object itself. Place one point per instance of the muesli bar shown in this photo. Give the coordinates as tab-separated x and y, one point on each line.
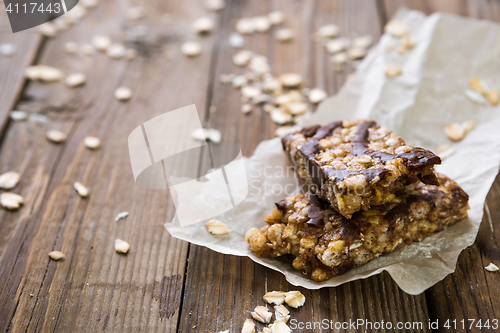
357	164
323	244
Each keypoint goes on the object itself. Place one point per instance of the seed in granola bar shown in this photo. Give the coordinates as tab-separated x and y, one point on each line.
9	180
214	5
392	71
262	314
316	95
101	42
121	246
248	326
56	136
216	227
75	79
457	131
493	96
191	49
262	23
492	268
291	80
56	255
276	17
295	299
203	25
81	189
11	201
396	28
284	35
275	297
328	31
242	58
123	93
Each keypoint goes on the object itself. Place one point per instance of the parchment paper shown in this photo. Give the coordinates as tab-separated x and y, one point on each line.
416	105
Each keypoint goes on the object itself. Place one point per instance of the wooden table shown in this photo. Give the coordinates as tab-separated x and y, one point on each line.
163	284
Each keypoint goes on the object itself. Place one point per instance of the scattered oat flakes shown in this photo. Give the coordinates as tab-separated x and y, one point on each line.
356	53
364	41
101	42
475	97
120	216
236	40
316	95
408	44
123	93
18	115
7	49
262	314
280	327
191	49
245	26
81	189
91	142
242	58
239	81
280	117
275	297
284	35
493	96
492	268
217	227
276	17
56	136
116	51
75	79
215	5
328	31
262	23
290	80
203	25
135	13
71	47
246	108
392	71
202	134
281	313
396	28
296	108
47	29
339	60
295	299
9	180
248	326
56	255
457	131
121	246
43	73
479	85
11	201
336	45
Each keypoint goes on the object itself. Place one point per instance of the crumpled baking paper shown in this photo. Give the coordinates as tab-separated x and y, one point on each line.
417	105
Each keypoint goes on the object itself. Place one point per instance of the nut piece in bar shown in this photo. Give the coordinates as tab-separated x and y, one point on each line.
323	244
357	164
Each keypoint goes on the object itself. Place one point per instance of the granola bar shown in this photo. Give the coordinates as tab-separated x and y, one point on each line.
357	164
323	244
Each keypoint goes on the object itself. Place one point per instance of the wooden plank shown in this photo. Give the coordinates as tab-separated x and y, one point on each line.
221	290
470	292
96	289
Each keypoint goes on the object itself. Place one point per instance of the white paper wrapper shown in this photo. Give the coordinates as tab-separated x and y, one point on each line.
416	105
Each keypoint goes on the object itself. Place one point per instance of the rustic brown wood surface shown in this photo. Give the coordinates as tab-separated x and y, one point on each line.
163	284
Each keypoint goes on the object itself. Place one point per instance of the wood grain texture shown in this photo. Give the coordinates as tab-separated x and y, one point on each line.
220	291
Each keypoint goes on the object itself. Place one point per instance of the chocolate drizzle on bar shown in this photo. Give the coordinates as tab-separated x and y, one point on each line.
315	212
